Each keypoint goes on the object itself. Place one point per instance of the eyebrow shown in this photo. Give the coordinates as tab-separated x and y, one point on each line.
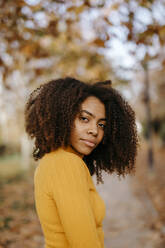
87	112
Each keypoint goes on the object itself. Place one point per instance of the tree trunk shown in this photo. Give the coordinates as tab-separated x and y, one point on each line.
148	116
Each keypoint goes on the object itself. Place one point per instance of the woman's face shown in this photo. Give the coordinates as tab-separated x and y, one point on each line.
89	125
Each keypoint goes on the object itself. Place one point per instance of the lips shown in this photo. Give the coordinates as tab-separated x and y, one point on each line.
89	142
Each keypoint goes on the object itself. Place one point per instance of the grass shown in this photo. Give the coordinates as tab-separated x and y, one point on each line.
11	169
10	165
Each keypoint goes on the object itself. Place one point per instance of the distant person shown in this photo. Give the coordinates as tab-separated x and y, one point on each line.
79	130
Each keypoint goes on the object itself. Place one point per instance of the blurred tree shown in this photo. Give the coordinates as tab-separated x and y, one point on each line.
157	82
39	41
42	40
140	25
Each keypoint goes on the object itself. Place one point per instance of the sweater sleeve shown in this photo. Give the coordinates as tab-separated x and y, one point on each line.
72	197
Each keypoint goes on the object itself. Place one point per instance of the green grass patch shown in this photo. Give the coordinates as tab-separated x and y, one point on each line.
11	169
10	165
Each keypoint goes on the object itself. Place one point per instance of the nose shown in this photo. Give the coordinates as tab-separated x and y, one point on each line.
93	130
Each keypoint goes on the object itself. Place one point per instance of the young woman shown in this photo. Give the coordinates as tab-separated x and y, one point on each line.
79	130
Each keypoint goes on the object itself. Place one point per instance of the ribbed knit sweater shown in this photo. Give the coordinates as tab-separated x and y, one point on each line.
69	208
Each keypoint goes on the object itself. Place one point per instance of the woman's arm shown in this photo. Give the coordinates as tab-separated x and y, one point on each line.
71	194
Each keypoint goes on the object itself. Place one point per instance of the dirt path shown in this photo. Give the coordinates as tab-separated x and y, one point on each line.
129	219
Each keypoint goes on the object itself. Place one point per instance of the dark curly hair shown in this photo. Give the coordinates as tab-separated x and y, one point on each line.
50	113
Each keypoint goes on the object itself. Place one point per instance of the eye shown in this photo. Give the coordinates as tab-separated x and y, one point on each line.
84	119
102	125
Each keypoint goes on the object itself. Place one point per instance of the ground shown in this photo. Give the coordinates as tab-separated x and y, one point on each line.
129	217
134	206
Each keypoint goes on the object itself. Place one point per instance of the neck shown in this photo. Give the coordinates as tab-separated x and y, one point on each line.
73	150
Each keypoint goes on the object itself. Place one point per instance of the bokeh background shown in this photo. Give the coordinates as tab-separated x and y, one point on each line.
91	40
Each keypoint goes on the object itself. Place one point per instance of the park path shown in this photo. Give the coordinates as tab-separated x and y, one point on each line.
129	218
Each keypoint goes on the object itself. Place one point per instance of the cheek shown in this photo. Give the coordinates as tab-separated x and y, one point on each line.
101	136
78	127
76	131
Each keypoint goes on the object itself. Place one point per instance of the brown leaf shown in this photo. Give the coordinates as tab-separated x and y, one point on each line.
98	42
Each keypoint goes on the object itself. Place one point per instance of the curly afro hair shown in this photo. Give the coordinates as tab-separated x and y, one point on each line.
50	113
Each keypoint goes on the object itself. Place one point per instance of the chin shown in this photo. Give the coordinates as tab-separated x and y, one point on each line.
86	151
82	151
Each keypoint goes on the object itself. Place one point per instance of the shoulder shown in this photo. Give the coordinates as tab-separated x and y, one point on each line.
60	155
61	166
60	159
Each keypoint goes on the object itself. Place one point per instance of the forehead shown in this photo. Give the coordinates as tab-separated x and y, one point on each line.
93	105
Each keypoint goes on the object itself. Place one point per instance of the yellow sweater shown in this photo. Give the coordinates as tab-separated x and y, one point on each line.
69	208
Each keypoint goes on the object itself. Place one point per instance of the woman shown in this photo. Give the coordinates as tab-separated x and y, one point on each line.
79	130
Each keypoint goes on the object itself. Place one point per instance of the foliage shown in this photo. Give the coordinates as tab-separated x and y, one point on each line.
19	226
40	41
158	127
152	182
44	40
